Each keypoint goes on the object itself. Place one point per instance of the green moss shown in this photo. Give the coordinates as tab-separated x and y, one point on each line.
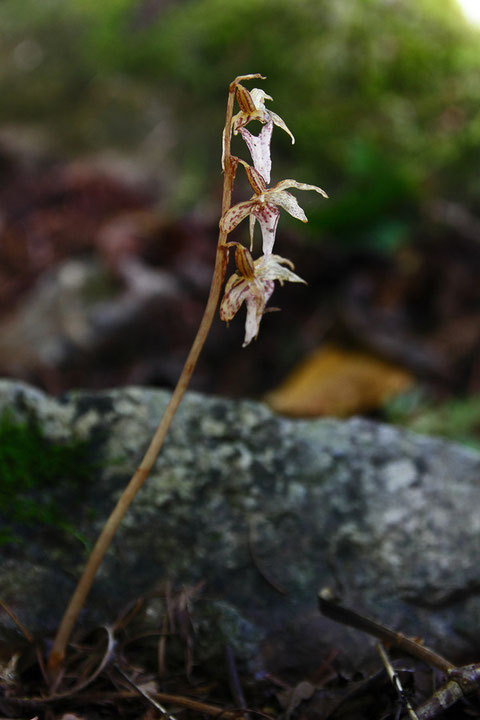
34	474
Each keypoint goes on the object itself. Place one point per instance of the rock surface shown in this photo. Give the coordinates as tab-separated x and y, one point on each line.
263	511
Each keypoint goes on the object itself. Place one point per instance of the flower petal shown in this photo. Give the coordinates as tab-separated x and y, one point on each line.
270	267
260	292
267	215
235	215
247	112
279	122
300	186
245	100
257	183
255	309
242	118
252	219
244	262
259	146
268	288
252	321
259	96
236	291
288	202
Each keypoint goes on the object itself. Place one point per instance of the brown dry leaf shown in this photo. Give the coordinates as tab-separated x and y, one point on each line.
332	381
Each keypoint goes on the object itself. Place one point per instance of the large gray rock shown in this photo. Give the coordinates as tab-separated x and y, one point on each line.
264	511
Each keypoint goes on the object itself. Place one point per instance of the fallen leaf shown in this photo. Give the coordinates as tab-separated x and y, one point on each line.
333	381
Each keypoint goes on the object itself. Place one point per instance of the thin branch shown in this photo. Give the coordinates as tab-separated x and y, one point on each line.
151	700
462	681
28	636
395	680
347	616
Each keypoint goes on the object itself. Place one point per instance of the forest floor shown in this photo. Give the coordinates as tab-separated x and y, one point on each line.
401	331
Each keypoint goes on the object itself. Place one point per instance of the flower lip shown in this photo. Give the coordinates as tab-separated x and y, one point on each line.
259	146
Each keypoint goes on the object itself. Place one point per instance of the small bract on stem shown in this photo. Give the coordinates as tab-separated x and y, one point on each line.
253	283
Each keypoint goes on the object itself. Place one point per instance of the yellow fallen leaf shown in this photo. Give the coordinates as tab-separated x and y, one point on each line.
332	381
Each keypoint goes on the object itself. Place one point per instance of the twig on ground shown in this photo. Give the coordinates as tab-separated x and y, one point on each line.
28	636
347	616
462	681
395	680
141	691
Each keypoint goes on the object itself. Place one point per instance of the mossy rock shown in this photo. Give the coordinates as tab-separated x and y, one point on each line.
33	470
258	511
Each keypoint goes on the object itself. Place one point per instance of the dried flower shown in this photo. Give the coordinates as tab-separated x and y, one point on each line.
253	283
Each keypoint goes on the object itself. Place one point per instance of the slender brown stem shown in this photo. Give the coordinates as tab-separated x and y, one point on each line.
28	636
347	616
84	584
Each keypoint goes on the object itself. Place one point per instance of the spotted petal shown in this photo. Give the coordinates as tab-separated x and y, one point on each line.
255	308
235	215
300	186
259	146
236	291
267	216
288	202
270	267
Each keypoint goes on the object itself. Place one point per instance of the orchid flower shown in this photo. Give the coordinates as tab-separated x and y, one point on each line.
252	107
264	206
253	283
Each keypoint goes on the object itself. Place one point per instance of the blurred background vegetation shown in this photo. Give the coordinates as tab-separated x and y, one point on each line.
383	97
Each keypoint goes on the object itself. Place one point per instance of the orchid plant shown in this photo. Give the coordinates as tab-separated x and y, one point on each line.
253	284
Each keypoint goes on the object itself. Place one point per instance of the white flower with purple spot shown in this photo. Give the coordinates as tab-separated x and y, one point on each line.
264	207
253	284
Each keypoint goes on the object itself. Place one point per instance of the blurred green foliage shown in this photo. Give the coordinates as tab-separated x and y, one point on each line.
32	471
456	419
382	95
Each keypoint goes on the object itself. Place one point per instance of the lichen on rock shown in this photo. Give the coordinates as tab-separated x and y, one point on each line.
262	510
